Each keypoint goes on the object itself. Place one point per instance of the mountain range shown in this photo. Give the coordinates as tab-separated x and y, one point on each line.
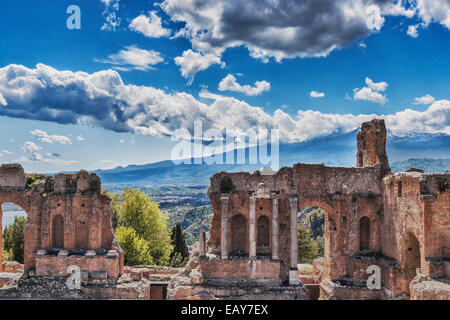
430	152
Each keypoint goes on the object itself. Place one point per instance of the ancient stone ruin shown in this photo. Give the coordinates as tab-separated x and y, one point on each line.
397	222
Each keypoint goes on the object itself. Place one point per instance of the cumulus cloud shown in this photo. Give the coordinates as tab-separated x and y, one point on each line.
33	155
412	31
434	11
7	152
292	28
47	138
315	94
427	100
133	58
150	26
102	99
281	29
112	21
191	62
371	92
80	138
229	83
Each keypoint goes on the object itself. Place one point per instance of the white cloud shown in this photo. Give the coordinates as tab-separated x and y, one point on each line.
133	58
380	86
434	11
33	155
150	26
192	62
122	141
412	31
80	138
3	100
112	21
30	147
427	100
45	137
371	92
7	152
281	29
229	83
102	99
315	94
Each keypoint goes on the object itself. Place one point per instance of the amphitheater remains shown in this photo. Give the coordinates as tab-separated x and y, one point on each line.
387	235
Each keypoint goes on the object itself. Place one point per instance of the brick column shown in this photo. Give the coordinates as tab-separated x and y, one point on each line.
252	226
293	270
202	244
224	238
275	227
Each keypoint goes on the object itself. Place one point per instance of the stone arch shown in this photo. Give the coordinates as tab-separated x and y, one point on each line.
58	231
28	241
239	238
364	233
412	255
263	234
331	245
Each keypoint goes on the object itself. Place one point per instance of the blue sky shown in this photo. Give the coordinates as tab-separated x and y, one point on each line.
215	62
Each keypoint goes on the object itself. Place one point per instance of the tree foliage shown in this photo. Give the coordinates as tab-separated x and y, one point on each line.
13	240
136	210
135	248
180	253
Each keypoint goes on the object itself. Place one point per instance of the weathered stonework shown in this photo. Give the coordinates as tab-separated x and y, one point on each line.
398	222
68	222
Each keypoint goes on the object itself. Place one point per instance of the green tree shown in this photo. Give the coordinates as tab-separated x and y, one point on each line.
320	246
135	248
307	248
180	253
115	210
137	211
14	240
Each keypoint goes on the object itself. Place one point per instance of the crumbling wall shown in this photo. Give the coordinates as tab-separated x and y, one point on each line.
74	200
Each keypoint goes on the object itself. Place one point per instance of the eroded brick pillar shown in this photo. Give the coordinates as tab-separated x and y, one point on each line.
224	238
275	227
252	226
293	270
202	243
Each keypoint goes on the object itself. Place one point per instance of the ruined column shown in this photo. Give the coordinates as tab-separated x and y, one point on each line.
224	238
275	227
293	270
202	243
252	226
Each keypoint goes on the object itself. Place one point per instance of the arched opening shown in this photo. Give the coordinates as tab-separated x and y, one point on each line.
14	222
58	232
364	233
263	235
239	235
412	261
311	235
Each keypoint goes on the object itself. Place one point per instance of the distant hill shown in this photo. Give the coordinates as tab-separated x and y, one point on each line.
333	150
427	165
